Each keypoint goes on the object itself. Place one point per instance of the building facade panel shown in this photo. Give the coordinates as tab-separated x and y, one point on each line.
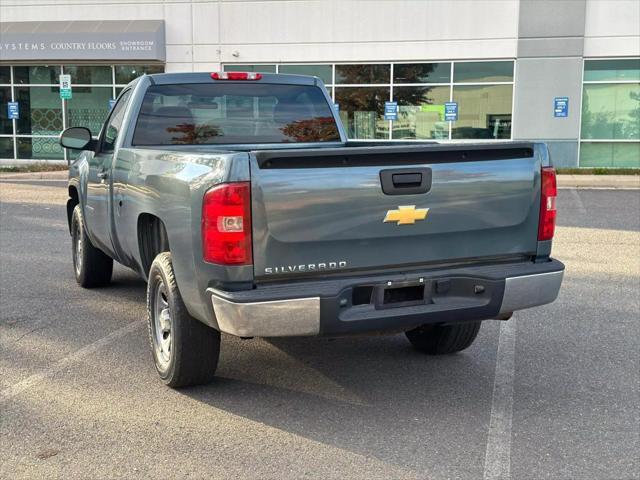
547	44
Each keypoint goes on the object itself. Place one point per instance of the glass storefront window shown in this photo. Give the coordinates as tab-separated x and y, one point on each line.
127	73
421	113
250	68
322	71
362	111
6	147
5	75
610	154
40	110
35	88
607	70
89	74
89	107
40	148
41	74
484	111
472	72
611	111
6	126
422	73
363	74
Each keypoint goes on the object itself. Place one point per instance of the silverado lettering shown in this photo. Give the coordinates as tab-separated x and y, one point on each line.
309	267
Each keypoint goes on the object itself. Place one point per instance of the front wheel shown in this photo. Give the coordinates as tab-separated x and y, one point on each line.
93	268
443	339
185	351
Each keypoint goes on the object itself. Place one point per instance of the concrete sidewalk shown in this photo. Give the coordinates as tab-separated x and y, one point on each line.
599	181
57	175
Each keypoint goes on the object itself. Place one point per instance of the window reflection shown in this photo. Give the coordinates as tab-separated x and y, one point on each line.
362	111
6	126
421	113
89	107
40	110
40	74
483	72
321	71
127	73
250	68
422	72
611	111
42	148
484	111
365	74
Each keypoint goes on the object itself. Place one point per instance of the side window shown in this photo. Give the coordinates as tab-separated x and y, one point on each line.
114	125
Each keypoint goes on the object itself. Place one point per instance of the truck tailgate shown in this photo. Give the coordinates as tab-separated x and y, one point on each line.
321	210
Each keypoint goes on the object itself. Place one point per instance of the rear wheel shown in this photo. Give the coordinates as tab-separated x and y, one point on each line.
443	339
185	351
93	268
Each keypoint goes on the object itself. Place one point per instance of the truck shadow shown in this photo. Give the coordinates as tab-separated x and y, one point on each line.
367	395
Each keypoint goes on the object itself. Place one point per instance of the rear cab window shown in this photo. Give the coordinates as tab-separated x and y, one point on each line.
234	113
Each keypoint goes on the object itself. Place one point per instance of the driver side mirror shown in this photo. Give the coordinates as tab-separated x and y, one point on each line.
77	138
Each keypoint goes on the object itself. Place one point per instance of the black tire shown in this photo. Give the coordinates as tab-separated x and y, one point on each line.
444	339
93	268
185	351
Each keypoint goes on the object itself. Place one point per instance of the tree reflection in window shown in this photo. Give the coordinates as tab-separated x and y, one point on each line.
320	129
191	134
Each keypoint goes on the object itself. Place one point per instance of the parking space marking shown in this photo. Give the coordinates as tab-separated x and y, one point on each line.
497	463
579	203
8	393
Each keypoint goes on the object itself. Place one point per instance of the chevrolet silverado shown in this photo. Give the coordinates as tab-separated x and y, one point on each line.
238	197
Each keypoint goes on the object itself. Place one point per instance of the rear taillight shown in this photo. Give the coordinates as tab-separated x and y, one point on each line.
548	204
226	224
236	76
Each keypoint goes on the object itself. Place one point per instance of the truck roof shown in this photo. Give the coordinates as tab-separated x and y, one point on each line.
205	77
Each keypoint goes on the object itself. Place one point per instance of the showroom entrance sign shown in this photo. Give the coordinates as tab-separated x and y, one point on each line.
13	111
451	111
83	40
561	107
391	110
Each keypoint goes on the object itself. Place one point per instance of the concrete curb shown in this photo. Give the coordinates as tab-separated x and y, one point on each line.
599	181
57	175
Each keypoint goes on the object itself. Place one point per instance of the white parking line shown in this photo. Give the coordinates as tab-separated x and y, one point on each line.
497	462
35	379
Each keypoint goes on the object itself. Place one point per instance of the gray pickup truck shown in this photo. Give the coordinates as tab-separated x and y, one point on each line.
238	197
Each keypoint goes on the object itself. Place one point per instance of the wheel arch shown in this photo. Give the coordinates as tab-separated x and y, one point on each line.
74	199
152	239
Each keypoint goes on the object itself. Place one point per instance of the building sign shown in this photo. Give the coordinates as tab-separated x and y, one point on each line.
65	87
561	107
83	40
391	110
13	111
451	111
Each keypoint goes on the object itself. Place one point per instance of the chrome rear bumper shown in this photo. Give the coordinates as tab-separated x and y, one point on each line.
321	310
530	291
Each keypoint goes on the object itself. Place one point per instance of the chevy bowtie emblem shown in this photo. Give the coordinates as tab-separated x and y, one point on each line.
406	215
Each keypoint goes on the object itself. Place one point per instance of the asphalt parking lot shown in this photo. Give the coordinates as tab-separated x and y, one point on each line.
553	393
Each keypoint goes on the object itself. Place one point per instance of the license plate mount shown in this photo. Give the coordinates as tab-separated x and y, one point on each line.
402	294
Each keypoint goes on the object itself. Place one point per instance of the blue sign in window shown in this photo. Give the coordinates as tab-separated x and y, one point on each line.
390	110
451	111
13	111
561	107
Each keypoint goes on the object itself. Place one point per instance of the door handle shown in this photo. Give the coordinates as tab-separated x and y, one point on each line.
406	181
